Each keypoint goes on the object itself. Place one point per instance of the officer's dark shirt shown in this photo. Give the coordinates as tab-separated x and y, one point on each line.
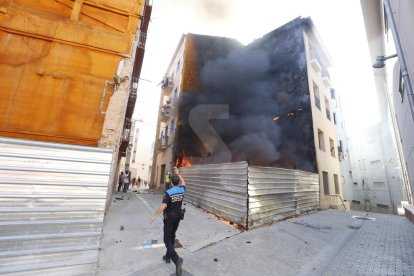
173	197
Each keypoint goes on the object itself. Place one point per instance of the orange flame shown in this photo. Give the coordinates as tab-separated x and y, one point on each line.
183	161
186	163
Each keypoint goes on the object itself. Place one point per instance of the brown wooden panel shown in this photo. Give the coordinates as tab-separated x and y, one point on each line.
52	89
101	25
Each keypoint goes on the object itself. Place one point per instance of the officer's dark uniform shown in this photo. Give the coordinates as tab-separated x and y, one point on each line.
173	197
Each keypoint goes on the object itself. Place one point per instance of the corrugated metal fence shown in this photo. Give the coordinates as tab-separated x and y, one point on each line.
220	189
276	193
52	203
251	196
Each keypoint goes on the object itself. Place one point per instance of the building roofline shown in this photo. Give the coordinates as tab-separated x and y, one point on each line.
180	43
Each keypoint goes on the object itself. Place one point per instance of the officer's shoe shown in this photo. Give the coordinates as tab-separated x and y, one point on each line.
166	259
178	267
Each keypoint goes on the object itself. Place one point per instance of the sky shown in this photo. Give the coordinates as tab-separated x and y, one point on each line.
339	23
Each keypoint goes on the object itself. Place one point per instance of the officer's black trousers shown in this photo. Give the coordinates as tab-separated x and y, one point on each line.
170	227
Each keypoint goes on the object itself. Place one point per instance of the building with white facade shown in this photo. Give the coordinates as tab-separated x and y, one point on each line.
389	25
343	146
377	180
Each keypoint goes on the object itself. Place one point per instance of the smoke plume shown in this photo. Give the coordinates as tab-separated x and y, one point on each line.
265	86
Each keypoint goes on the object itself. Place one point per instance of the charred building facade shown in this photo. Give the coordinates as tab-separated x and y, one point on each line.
267	103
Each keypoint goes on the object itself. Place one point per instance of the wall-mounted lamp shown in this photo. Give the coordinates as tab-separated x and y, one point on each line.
381	61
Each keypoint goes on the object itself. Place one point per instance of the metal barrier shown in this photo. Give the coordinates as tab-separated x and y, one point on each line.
52	203
251	196
276	193
220	189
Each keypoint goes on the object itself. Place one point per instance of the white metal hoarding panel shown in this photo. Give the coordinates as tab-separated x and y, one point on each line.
276	193
52	203
220	189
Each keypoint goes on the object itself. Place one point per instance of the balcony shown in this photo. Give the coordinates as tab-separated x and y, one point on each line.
125	134
326	78
162	143
142	39
167	84
315	60
165	112
134	86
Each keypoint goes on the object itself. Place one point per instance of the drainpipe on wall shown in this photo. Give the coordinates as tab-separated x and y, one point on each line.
403	64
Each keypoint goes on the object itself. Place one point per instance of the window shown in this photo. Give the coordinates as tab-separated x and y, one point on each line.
321	140
336	184
340	151
317	97
356	201
325	180
328	111
378	184
175	94
178	65
401	87
334	117
383	206
356	183
333	96
332	147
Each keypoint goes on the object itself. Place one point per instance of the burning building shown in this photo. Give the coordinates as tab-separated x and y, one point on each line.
267	103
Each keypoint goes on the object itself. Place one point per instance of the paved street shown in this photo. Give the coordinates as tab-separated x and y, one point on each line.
323	243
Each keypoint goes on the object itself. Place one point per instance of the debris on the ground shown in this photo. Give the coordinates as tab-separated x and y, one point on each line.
215	259
248	242
119	198
121	228
355	225
365	218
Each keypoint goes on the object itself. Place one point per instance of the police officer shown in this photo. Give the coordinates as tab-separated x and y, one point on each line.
171	207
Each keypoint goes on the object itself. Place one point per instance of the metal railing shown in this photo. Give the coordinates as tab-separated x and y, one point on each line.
335	198
162	143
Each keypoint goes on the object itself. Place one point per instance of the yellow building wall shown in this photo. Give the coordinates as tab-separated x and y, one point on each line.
325	161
